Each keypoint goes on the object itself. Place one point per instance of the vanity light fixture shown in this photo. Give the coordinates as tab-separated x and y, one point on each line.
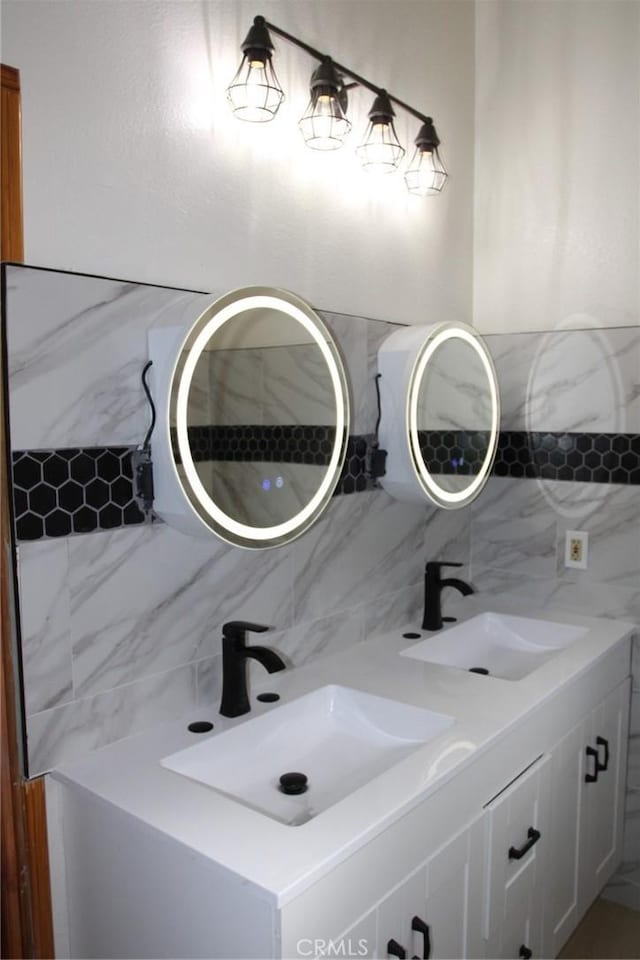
324	125
426	174
381	151
255	94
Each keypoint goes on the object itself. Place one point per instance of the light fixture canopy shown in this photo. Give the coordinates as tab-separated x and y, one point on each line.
324	124
381	151
426	174
255	93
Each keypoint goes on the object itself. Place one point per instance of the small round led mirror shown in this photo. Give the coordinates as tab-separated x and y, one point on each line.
440	413
256	419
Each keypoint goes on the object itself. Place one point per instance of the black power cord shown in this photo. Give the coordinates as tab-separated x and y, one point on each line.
145	444
376	459
141	461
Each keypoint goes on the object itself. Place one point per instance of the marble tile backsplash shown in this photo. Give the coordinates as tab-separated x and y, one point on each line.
135	615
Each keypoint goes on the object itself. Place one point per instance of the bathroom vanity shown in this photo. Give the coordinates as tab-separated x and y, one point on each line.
488	835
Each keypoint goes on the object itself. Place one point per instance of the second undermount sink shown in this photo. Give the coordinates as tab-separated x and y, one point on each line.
336	737
501	645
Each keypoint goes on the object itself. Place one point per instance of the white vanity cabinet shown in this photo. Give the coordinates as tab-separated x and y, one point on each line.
484	845
587	790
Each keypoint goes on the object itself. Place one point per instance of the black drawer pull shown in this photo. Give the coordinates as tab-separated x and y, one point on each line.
601	742
525	953
592	777
395	950
421	927
533	837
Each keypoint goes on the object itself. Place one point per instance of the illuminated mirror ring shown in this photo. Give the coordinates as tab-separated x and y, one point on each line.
441	334
218	314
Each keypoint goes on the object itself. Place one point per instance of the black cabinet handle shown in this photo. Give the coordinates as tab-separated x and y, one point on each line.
601	742
516	853
592	777
525	953
421	927
394	948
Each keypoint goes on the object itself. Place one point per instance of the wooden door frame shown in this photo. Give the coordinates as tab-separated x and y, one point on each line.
27	929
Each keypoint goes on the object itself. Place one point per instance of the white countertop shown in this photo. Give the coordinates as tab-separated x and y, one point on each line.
281	860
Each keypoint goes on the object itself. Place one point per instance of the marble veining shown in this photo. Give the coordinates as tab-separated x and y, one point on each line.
127	625
86	724
386	611
569	380
297	386
351	335
85	345
504	560
236	387
349	556
614	541
45	624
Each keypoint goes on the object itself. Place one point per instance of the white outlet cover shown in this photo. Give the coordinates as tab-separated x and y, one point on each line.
584	538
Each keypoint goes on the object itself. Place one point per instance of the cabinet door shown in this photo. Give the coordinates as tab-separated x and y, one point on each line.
395	914
358	942
437	911
519	934
567	830
588	769
454	897
605	796
517	843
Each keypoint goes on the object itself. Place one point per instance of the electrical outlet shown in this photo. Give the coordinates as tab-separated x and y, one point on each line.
576	549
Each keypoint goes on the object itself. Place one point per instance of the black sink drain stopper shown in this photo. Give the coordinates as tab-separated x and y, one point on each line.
293	783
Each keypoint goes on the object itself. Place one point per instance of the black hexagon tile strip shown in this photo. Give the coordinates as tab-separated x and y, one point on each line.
78	490
582	457
265	443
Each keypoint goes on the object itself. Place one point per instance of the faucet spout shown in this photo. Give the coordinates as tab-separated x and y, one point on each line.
269	659
464	588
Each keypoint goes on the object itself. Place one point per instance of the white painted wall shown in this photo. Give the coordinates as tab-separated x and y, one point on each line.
134	166
557	178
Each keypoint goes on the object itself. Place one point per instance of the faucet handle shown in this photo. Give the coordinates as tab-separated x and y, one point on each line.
236	629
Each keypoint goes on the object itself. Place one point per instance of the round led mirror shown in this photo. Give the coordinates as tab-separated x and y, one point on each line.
256	419
440	413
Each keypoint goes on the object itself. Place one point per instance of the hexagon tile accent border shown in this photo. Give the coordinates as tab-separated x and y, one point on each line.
61	492
79	490
582	457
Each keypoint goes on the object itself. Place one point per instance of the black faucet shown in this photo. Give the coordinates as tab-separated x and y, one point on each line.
235	700
433	586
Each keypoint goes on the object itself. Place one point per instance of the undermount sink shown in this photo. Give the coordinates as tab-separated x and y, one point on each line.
501	645
338	738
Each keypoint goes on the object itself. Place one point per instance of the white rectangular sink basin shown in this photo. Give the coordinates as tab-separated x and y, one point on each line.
501	645
337	737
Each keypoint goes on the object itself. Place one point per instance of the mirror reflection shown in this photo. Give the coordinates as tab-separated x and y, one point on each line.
454	415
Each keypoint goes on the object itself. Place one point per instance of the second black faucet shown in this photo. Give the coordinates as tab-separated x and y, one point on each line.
433	586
